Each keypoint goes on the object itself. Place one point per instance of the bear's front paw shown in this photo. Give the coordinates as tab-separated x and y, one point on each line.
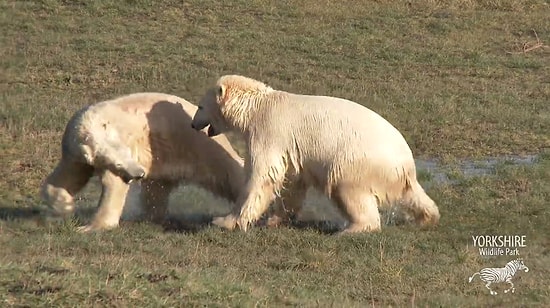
228	222
60	210
86	229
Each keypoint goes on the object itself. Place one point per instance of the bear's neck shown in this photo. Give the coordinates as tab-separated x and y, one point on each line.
247	108
243	110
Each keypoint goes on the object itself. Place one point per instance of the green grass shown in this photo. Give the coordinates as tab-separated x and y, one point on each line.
438	70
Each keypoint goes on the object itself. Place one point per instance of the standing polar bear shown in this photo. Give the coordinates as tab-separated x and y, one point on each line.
295	141
140	136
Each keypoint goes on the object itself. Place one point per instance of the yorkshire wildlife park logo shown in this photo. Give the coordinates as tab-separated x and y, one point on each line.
500	245
490	275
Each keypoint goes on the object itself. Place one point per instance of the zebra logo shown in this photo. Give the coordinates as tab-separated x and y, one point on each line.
492	275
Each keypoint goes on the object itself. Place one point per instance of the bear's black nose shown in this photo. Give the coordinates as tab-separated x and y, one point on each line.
127	179
193	126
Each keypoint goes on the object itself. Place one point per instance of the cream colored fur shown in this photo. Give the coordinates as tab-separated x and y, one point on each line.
352	154
142	135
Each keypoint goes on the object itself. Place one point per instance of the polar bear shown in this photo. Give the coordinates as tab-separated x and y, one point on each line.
352	154
139	136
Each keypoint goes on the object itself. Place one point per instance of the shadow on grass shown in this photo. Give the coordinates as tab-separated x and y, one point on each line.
197	222
322	226
188	224
191	223
15	213
38	213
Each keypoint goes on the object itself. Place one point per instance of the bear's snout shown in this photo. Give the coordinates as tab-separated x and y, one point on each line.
198	124
131	175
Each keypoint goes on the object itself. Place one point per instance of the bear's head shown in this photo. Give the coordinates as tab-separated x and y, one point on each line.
90	145
91	140
227	105
209	113
106	150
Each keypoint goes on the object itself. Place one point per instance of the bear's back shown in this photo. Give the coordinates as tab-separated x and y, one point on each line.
342	121
145	102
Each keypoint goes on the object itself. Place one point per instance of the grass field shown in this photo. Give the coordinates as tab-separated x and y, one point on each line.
449	74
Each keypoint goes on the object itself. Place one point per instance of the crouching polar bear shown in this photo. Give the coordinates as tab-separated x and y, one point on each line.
295	141
140	136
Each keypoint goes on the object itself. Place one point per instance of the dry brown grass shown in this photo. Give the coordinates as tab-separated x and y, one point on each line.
438	70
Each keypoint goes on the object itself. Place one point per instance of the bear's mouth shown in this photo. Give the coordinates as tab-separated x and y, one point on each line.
212	131
128	176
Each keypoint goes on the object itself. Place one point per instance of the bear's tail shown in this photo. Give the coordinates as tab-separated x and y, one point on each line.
423	208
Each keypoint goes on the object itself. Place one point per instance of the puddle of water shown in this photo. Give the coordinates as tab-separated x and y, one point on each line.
439	175
468	168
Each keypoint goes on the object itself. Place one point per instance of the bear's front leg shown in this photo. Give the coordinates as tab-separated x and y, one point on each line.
289	203
111	203
59	188
265	182
260	197
265	173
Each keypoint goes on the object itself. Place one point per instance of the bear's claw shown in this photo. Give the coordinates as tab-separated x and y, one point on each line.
93	228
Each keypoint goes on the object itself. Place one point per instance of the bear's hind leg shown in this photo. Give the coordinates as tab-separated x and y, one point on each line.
113	196
423	208
156	194
360	208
